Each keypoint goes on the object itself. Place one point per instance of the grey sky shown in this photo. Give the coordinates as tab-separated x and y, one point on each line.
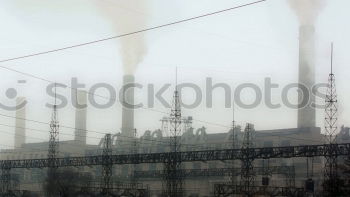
244	45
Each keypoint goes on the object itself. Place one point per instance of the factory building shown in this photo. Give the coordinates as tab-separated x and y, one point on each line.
192	139
305	133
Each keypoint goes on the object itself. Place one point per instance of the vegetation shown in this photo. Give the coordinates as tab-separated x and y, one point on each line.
66	182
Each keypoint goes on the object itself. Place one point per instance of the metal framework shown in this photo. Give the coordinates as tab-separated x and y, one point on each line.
331	185
107	165
321	150
225	190
5	181
135	151
53	149
54	136
188	156
233	141
115	192
173	179
247	166
287	171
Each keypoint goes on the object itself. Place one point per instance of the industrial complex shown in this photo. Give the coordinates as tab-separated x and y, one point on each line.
178	160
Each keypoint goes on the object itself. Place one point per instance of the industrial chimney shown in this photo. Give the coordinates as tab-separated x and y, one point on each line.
306	113
80	116
128	108
20	131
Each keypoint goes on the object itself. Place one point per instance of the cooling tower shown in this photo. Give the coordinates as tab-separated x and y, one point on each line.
20	131
80	117
128	108
306	113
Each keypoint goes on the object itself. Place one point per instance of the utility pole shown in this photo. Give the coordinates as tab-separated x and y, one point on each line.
106	185
173	177
331	179
53	151
247	167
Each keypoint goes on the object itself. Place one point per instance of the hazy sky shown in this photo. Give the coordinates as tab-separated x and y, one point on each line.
240	46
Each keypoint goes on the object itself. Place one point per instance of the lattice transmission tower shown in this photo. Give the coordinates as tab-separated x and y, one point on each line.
53	151
107	167
247	166
234	146
173	177
331	177
5	181
135	148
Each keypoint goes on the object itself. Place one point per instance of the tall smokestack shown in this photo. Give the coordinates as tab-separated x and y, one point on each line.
128	108
306	114
307	12
20	131
80	117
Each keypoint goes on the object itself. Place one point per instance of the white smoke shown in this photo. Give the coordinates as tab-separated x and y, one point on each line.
125	16
128	16
307	10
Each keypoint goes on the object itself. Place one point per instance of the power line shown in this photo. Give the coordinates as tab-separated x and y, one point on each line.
123	35
154	110
34	149
100	96
63	126
206	146
89	93
44	131
98	132
40	122
131	33
129	141
161	142
146	14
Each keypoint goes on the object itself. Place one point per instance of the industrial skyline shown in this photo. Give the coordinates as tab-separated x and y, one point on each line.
94	85
221	70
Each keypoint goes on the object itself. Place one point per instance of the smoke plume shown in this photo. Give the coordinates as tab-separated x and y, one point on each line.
128	17
307	10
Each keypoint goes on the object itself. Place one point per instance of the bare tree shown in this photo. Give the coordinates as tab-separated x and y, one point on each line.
29	194
66	182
